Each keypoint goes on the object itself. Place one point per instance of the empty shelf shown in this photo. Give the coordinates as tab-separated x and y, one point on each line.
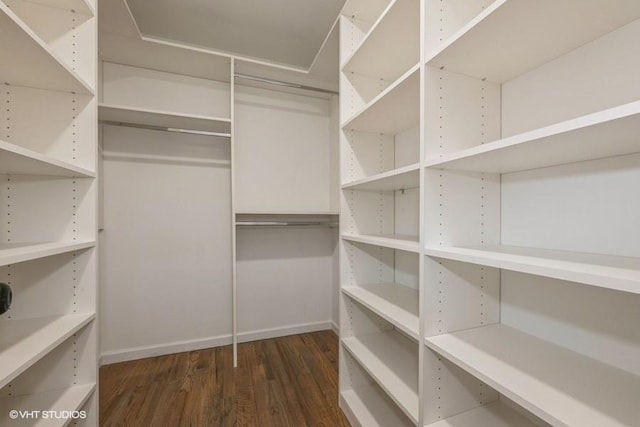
396	109
79	6
397	179
32	63
394	241
607	133
392	361
18	160
496	414
511	37
560	386
372	408
605	271
398	304
165	119
392	44
69	399
25	341
11	253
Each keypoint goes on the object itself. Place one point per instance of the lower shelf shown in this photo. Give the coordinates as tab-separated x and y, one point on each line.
560	386
496	414
394	241
370	407
25	341
392	361
70	399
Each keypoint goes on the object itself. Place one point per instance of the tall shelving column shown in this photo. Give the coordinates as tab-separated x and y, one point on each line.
48	215
380	212
531	269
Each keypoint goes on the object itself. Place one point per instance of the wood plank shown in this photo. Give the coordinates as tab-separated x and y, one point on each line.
289	381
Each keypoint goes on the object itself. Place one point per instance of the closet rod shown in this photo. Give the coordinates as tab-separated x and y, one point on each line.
282	223
165	129
282	83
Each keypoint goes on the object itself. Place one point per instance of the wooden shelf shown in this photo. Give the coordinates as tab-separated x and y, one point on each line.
379	55
21	161
166	119
537	33
25	341
560	386
397	179
392	361
371	407
69	399
396	303
396	109
32	62
604	271
12	253
394	241
496	414
607	133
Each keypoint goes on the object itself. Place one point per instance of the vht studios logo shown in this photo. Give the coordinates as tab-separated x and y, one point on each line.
47	415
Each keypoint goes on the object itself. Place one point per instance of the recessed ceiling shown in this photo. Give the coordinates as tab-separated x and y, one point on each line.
287	32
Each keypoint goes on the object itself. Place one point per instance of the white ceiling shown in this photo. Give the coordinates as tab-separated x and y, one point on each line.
287	32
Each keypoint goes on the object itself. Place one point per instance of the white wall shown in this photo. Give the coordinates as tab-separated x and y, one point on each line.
166	244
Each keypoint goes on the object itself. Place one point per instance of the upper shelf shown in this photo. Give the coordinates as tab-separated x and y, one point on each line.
394	241
558	385
25	341
18	160
397	179
392	44
79	6
32	63
12	253
396	303
605	271
511	37
607	133
167	119
396	109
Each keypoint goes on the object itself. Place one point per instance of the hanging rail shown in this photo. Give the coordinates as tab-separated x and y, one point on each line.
166	129
285	224
283	83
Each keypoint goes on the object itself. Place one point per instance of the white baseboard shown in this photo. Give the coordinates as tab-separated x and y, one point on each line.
135	353
335	327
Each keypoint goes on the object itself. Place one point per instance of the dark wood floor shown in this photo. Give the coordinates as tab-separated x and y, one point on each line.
289	381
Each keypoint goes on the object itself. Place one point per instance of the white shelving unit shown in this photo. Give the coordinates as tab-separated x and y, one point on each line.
48	146
380	216
525	118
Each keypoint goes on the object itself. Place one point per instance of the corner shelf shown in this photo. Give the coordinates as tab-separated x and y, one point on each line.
394	241
573	140
21	161
33	63
399	25
496	414
12	253
386	356
25	341
537	34
396	109
604	271
396	303
558	385
69	399
165	119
